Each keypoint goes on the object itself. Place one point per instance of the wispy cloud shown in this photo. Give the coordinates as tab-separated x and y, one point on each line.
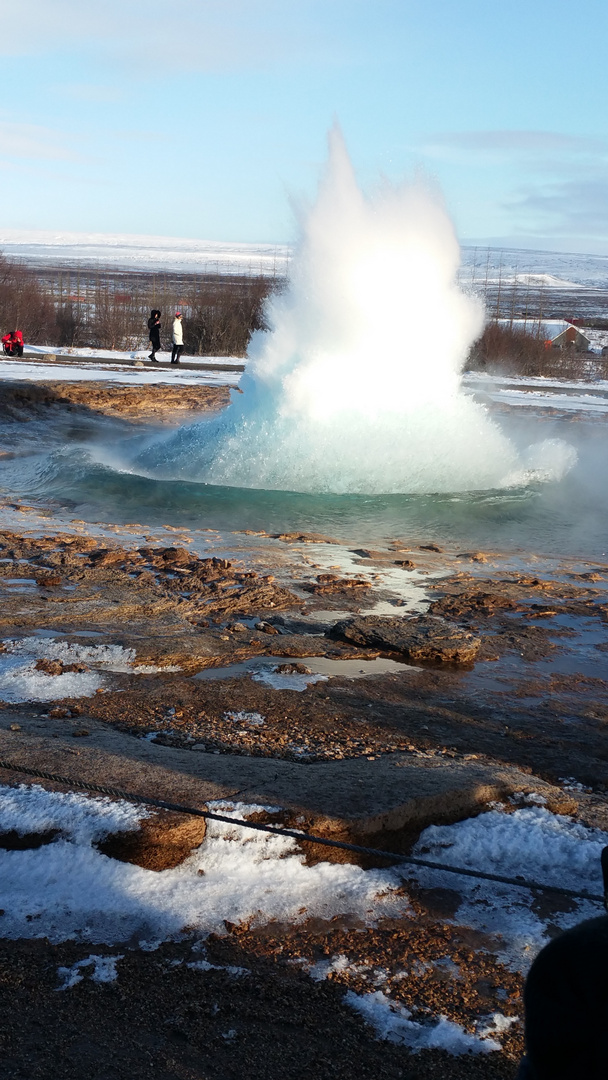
557	181
153	35
90	92
575	207
32	141
523	143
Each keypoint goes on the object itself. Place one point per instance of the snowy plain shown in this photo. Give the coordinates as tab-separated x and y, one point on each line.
529	267
122	251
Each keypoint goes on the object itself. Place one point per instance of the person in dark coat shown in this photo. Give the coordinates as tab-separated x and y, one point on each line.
566	1007
154	328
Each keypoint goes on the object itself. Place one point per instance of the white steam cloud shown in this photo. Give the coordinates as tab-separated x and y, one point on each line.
357	386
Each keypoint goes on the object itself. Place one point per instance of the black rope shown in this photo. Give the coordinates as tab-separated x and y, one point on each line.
520	882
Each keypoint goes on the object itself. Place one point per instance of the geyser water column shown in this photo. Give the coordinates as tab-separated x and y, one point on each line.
356	386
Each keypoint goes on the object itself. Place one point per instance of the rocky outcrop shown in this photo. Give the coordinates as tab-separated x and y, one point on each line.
152	401
421	638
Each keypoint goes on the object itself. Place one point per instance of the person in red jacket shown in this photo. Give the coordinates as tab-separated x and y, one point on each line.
13	343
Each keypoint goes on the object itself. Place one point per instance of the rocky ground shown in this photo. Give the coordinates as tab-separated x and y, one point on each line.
24	401
423	658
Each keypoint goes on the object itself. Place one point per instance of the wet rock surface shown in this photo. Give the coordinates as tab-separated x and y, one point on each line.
180	614
420	638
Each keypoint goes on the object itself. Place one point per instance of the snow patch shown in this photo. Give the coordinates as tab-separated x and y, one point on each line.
280	681
204	965
392	1022
79	818
530	842
253	719
104	971
336	965
70	890
21	681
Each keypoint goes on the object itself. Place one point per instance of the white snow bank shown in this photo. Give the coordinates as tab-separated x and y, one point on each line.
21	681
546	400
532	843
542	846
391	1021
127	356
81	820
68	889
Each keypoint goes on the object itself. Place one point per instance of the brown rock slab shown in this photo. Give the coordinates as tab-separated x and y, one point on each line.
326	584
161	842
422	638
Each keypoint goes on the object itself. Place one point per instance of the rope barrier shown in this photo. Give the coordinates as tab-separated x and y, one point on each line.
519	882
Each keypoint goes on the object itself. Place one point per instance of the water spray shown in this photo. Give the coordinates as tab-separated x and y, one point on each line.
356	387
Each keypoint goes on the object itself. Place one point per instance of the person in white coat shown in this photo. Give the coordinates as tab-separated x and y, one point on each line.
178	338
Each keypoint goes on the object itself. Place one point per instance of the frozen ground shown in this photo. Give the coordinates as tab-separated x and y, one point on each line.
589	397
67	889
128	356
127	375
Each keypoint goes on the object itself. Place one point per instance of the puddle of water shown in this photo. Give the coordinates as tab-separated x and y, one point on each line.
263	669
578	656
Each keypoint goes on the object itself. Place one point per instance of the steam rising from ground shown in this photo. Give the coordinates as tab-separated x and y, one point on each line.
357	386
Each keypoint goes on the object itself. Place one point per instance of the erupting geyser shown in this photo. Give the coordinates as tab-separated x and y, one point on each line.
356	388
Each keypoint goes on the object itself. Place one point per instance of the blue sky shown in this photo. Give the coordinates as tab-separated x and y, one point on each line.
204	118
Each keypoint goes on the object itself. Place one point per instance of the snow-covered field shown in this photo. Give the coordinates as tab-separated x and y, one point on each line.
549	270
67	889
122	371
122	251
590	397
528	268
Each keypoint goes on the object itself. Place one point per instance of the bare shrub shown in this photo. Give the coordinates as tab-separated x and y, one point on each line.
107	309
504	350
220	321
23	304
